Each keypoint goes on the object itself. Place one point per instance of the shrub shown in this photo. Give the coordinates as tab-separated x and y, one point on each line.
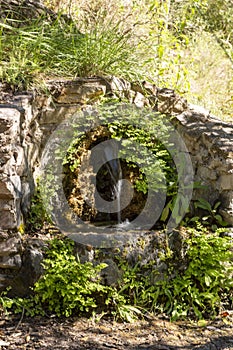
68	287
202	288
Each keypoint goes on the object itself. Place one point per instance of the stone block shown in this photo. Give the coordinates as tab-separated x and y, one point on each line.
227	216
6	205
81	94
10	246
119	86
8	219
30	271
5	122
110	273
4	281
205	172
140	100
10	121
19	160
57	113
215	163
6	190
225	182
14	262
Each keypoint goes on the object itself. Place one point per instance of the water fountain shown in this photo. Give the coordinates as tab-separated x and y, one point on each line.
27	122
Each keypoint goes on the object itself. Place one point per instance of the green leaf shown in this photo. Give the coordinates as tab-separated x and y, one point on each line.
217	205
176	209
203	204
165	212
207	280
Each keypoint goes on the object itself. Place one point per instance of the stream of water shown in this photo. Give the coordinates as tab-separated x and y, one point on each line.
117	195
115	171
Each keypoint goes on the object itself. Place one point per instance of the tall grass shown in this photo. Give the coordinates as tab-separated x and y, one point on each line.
210	76
103	38
131	39
30	53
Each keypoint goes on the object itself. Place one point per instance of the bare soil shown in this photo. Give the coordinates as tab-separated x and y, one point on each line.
80	333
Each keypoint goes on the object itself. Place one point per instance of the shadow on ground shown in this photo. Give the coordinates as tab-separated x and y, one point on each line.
79	333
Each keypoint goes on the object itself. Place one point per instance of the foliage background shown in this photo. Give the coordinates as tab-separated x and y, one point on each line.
185	45
188	42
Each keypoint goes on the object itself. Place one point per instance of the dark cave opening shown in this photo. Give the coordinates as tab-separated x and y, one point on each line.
83	184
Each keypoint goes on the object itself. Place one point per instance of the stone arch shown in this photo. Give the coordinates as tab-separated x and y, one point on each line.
27	121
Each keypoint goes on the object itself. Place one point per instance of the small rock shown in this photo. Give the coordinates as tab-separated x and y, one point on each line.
4	343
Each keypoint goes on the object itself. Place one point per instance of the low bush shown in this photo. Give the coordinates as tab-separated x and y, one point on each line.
69	287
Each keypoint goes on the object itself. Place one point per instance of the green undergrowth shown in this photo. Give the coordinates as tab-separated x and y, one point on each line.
37	216
68	287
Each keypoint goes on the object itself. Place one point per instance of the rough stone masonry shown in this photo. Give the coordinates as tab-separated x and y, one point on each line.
28	119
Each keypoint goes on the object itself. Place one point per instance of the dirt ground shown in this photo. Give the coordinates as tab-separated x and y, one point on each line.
80	333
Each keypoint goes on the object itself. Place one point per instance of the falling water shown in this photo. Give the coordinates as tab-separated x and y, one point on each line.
114	168
117	195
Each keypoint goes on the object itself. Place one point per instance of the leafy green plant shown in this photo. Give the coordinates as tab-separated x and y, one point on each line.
29	306
68	286
212	218
202	289
199	289
37	216
120	307
157	159
5	302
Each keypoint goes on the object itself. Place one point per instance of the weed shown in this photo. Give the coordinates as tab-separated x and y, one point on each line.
5	302
199	289
37	215
68	287
212	219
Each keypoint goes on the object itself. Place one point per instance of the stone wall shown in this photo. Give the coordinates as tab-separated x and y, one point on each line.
210	144
27	120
